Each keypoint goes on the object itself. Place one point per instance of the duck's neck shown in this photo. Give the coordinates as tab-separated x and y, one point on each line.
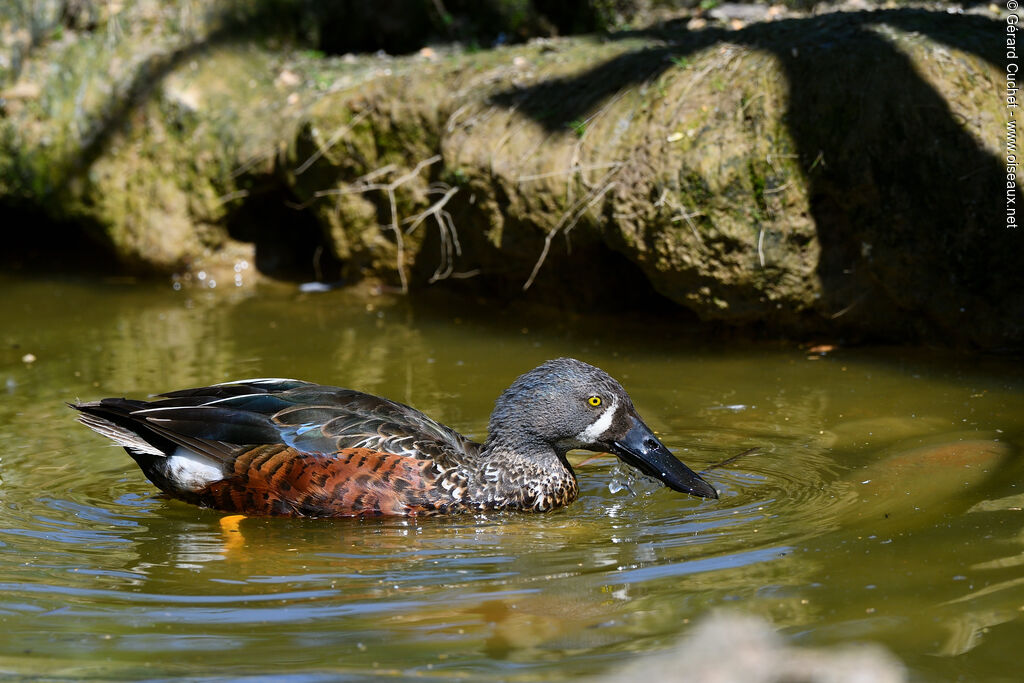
525	474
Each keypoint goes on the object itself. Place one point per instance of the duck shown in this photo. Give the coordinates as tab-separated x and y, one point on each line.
290	448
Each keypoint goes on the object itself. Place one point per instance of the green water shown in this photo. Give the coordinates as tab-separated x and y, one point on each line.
884	504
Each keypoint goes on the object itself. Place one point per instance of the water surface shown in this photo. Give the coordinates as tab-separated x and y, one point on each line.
884	504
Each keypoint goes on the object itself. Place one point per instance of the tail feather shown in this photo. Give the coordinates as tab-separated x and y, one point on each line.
177	464
126	423
130	440
112	418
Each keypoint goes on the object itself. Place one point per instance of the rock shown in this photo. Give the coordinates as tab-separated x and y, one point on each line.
22	90
706	165
811	176
729	648
748	13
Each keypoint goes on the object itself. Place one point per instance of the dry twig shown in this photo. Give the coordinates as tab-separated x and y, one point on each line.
331	142
366	183
569	220
449	236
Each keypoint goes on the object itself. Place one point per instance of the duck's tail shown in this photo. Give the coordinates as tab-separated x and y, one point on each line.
112	418
177	465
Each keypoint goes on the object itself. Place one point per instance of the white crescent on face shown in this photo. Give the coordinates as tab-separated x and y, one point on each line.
598	427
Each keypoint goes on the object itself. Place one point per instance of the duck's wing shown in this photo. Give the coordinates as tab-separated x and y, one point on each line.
311	418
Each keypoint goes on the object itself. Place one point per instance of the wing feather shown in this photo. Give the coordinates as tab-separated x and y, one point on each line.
310	418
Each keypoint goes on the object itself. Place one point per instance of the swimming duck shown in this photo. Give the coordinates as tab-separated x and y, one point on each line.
291	448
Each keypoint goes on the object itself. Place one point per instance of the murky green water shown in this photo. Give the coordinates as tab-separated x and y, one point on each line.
885	504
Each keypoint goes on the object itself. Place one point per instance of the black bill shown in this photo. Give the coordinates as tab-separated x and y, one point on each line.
641	449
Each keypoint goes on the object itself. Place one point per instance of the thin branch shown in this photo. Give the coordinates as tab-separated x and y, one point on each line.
729	461
681	213
770	158
780	188
849	308
232	196
688	217
433	209
332	141
449	236
250	163
569	171
569	219
362	184
399	242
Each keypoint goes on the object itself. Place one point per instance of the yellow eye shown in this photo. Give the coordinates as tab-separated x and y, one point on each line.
595	401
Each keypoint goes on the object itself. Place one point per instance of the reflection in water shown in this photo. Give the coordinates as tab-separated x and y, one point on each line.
883	502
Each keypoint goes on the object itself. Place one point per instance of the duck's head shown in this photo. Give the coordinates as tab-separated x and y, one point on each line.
568	404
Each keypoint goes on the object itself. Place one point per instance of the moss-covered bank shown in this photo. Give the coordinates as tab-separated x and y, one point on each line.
837	174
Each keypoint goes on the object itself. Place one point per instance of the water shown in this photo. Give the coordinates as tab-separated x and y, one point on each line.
885	502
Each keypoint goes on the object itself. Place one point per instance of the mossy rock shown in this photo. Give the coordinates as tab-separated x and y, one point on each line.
814	175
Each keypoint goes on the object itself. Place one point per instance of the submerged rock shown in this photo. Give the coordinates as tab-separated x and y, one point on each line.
914	486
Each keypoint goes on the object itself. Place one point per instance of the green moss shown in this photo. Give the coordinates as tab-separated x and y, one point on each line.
455	176
693	188
758	183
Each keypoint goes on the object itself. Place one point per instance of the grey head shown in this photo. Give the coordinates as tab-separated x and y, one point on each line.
566	404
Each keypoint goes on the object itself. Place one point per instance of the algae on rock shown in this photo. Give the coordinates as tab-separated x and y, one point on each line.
827	174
